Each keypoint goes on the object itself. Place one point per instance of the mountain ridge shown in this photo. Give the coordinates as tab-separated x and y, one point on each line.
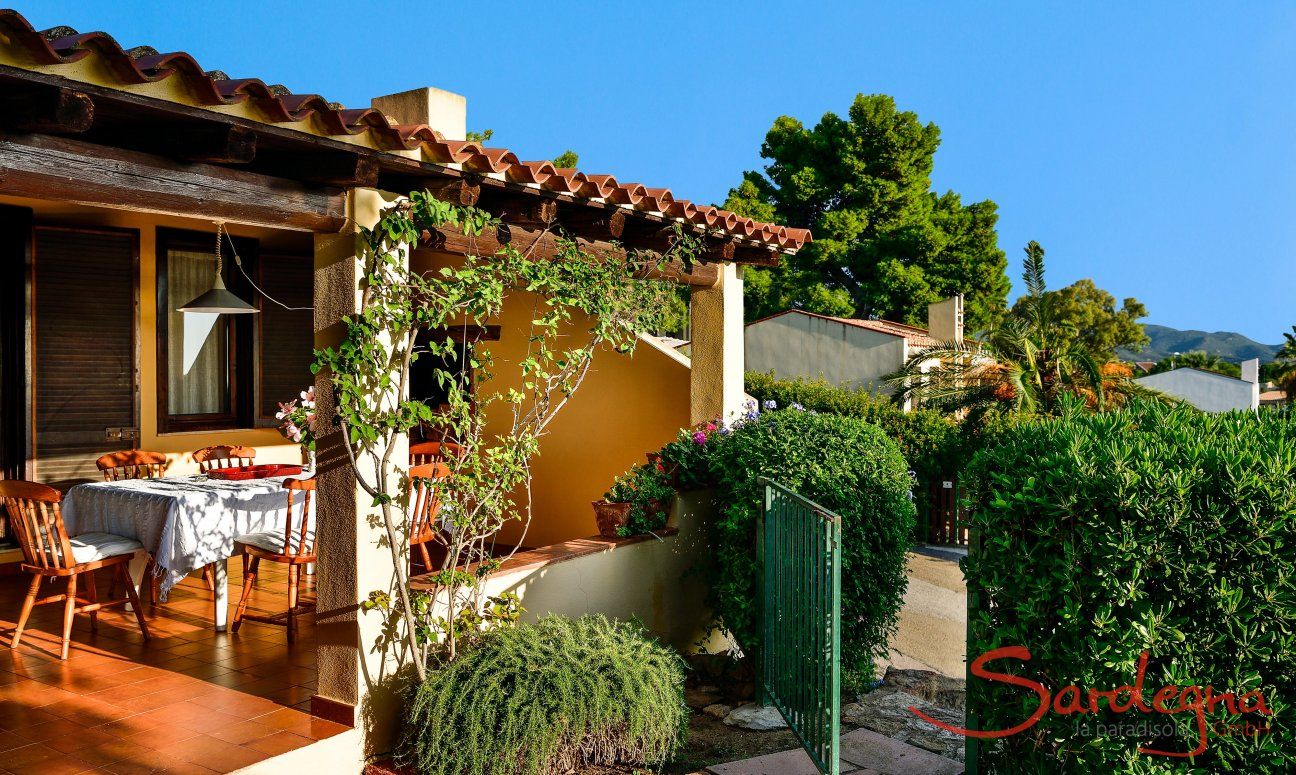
1229	345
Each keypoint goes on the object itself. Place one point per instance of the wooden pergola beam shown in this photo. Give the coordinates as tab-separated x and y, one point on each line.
51	109
544	244
211	144
56	168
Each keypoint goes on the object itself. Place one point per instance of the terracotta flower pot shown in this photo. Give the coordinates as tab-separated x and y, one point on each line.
611	517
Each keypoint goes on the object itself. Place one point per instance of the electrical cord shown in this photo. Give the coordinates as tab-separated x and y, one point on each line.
238	261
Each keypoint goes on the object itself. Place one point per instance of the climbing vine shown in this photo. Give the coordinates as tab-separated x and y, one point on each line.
582	303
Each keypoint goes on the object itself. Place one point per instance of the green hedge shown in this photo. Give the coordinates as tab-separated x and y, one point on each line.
844	464
1160	529
555	696
934	445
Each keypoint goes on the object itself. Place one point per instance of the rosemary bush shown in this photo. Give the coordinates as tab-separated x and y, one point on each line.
549	697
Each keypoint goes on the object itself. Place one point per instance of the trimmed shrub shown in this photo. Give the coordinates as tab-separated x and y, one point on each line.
934	445
549	697
1153	529
844	464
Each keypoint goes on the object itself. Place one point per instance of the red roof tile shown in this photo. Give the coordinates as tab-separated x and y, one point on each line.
917	337
63	45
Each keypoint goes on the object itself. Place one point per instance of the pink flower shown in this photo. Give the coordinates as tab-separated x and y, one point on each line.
710	427
700	437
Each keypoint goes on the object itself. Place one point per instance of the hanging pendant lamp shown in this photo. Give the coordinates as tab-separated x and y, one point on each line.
219	299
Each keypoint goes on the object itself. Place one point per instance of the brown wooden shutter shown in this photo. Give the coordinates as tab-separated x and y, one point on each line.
15	263
83	288
287	336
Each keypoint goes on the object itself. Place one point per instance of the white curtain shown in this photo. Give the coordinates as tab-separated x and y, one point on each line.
197	343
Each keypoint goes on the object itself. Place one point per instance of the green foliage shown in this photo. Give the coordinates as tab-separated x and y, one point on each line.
1152	529
555	696
1088	315
1027	362
932	442
566	160
884	242
1198	360
583	303
844	464
479	137
649	491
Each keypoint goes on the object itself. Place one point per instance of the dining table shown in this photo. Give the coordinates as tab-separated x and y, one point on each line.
184	522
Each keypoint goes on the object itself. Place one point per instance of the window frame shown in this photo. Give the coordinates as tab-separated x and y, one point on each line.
241	362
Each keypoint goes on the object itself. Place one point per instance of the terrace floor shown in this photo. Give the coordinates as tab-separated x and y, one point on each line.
190	700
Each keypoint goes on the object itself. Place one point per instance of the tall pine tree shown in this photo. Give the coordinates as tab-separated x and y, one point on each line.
885	243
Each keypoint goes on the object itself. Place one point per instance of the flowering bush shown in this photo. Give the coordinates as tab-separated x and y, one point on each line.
297	421
648	490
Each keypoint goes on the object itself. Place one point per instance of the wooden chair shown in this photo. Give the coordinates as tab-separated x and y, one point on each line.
132	464
220	456
49	554
295	546
135	464
426	452
425	504
223	456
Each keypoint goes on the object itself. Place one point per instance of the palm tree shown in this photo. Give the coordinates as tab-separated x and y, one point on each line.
1025	363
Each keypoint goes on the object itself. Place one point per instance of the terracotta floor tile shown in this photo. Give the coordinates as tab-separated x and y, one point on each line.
127	751
243	732
11	740
63	764
189	689
87	711
280	742
28	755
15	717
162	736
128	726
215	754
51	730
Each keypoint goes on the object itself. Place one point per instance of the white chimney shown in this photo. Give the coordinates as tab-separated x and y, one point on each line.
444	111
945	319
1251	371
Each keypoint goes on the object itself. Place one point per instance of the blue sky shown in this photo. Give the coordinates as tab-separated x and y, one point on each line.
1150	148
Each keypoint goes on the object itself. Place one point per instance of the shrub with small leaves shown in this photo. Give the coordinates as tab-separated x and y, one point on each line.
1156	529
844	464
548	697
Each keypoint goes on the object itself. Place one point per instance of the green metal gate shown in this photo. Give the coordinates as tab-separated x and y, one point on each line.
799	548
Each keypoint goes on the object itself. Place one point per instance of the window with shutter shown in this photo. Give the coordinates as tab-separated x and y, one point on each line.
287	336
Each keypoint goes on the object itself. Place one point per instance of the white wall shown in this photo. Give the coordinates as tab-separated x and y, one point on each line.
1205	390
796	345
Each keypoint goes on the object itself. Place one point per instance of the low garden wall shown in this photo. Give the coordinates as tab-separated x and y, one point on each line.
1147	558
658	580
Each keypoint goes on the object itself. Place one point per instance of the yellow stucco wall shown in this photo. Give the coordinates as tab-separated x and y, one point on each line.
627	406
271	447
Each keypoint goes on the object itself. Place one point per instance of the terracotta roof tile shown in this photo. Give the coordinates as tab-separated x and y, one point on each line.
917	337
143	64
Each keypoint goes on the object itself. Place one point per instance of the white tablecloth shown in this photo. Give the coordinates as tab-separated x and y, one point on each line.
186	522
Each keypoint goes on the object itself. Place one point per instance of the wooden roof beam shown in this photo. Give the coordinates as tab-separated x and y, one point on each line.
48	109
544	244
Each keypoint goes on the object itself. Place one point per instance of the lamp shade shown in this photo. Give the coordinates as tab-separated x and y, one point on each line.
219	300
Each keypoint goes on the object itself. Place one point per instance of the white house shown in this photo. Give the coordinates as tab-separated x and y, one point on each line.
844	351
1207	390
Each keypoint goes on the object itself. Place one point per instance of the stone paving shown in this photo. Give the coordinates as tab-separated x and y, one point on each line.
863	752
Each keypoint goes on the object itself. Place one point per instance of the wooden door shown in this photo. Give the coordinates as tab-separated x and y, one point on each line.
84	299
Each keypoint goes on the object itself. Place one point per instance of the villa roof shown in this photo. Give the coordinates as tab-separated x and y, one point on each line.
71	54
915	336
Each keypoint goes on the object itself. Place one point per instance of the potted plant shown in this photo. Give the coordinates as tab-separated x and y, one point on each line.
613	511
638	502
